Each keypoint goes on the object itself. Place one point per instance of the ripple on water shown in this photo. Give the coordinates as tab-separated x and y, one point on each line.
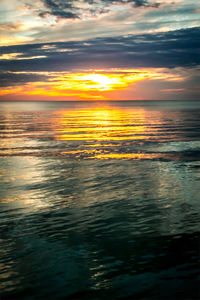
99	201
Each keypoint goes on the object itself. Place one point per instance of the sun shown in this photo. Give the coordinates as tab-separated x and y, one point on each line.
102	82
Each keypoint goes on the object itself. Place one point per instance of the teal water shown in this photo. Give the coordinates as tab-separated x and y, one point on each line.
99	200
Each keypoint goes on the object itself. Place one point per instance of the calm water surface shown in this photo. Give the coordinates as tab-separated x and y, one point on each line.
99	200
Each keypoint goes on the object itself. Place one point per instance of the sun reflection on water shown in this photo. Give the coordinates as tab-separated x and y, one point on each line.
100	124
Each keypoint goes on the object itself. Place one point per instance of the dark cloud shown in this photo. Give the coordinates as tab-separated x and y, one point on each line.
168	50
14	79
70	9
59	8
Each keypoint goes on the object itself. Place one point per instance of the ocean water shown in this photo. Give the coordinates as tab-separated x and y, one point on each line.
100	200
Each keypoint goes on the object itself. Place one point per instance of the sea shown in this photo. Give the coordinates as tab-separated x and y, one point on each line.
100	200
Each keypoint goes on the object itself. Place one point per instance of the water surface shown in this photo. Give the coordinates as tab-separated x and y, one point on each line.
99	200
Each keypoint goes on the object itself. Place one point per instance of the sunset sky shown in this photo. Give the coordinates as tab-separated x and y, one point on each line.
100	50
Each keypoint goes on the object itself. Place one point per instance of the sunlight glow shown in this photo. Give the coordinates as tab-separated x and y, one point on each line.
94	85
95	81
102	82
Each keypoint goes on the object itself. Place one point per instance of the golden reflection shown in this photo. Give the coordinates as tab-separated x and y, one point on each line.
105	132
99	124
127	156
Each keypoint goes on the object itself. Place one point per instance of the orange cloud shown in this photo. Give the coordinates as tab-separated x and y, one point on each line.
94	85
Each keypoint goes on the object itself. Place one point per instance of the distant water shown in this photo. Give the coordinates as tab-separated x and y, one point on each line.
100	200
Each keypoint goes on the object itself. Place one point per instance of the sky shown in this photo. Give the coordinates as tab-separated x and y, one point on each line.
99	50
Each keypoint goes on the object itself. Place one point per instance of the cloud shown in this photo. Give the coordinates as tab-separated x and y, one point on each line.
9	26
63	9
161	50
72	9
26	21
14	79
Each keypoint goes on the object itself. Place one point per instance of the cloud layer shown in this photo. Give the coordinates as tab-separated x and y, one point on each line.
27	21
162	50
